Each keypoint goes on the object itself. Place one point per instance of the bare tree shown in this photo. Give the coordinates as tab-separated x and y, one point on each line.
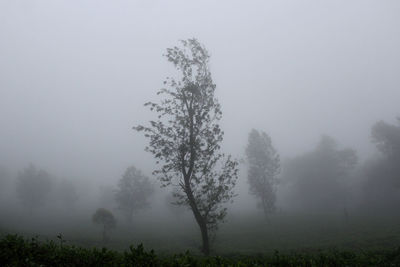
186	137
133	192
263	168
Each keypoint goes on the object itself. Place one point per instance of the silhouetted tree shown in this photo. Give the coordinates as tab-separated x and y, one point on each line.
106	219
317	179
33	186
186	139
133	192
263	168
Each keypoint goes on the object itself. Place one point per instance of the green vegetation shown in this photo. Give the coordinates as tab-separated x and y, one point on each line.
17	251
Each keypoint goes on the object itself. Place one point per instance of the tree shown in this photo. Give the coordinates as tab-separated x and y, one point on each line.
133	192
186	137
33	186
387	139
263	168
105	218
317	179
382	173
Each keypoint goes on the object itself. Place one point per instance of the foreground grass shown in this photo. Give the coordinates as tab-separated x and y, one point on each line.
18	251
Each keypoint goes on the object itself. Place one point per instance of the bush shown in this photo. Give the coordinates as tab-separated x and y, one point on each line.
18	251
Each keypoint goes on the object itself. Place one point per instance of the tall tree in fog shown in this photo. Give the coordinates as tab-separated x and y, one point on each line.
186	137
317	179
382	174
263	168
133	192
33	186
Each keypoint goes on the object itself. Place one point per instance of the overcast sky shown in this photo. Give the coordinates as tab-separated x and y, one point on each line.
74	75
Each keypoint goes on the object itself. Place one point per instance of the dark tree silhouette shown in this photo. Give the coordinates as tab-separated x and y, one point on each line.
106	219
263	168
134	190
33	186
186	137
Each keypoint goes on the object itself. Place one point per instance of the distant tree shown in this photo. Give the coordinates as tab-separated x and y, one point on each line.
381	185
106	219
186	139
263	168
387	139
33	186
133	192
317	179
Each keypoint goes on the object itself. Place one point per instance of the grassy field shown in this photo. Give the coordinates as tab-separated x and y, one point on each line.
241	234
18	251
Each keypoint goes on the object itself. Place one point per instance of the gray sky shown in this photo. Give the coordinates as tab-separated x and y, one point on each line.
74	75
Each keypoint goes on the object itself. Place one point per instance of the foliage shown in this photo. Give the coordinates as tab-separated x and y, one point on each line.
17	251
186	137
133	191
105	218
33	186
263	167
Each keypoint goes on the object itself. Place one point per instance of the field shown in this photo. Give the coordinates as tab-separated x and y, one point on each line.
243	238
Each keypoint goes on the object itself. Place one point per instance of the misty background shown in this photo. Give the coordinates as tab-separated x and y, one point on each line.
74	76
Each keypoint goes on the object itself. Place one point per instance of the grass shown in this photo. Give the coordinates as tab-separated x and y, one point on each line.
17	251
247	234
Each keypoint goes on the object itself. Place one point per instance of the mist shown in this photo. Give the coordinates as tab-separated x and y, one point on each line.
319	78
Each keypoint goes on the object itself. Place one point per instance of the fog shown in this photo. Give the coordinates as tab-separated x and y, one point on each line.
74	76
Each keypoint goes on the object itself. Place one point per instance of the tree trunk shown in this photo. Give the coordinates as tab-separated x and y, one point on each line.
204	237
204	231
200	221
